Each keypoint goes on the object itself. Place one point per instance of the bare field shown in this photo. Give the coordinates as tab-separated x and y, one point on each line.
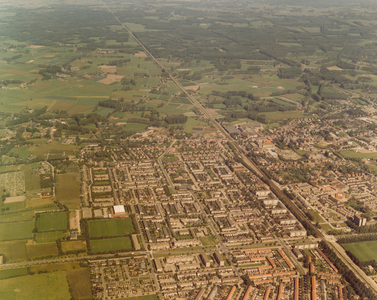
111	79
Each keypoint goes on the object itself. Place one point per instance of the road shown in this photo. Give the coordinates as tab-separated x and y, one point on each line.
162	167
292	256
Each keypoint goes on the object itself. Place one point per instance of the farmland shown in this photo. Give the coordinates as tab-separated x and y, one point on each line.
52	221
109	228
16	230
36	251
40	286
111	244
47	237
68	196
14	251
79	282
364	251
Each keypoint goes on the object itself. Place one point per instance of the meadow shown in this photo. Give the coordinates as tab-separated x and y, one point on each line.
13	251
364	251
79	282
52	286
111	244
16	230
110	227
54	221
69	197
73	246
37	251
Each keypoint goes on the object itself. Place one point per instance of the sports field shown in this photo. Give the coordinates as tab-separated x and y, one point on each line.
364	251
52	221
52	286
47	237
111	227
112	244
16	230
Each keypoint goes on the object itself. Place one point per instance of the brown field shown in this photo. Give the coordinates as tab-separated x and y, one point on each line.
35	46
41	250
63	105
110	69
14	251
79	282
334	68
111	78
73	245
192	87
37	202
68	190
140	54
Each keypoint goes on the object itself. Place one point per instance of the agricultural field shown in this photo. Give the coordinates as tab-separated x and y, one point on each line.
13	251
13	273
110	227
69	197
16	230
111	244
52	286
74	246
364	251
32	181
55	221
36	251
79	282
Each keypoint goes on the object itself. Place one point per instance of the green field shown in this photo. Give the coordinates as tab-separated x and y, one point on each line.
208	240
32	181
52	221
13	251
110	227
112	244
352	154
69	197
16	230
52	286
364	251
79	282
73	246
42	250
13	273
48	237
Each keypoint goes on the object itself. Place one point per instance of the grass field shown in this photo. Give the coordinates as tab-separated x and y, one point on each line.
112	244
208	240
48	237
13	251
315	215
111	227
73	246
41	250
16	231
364	251
18	216
52	221
32	181
13	273
68	196
351	154
52	286
79	282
